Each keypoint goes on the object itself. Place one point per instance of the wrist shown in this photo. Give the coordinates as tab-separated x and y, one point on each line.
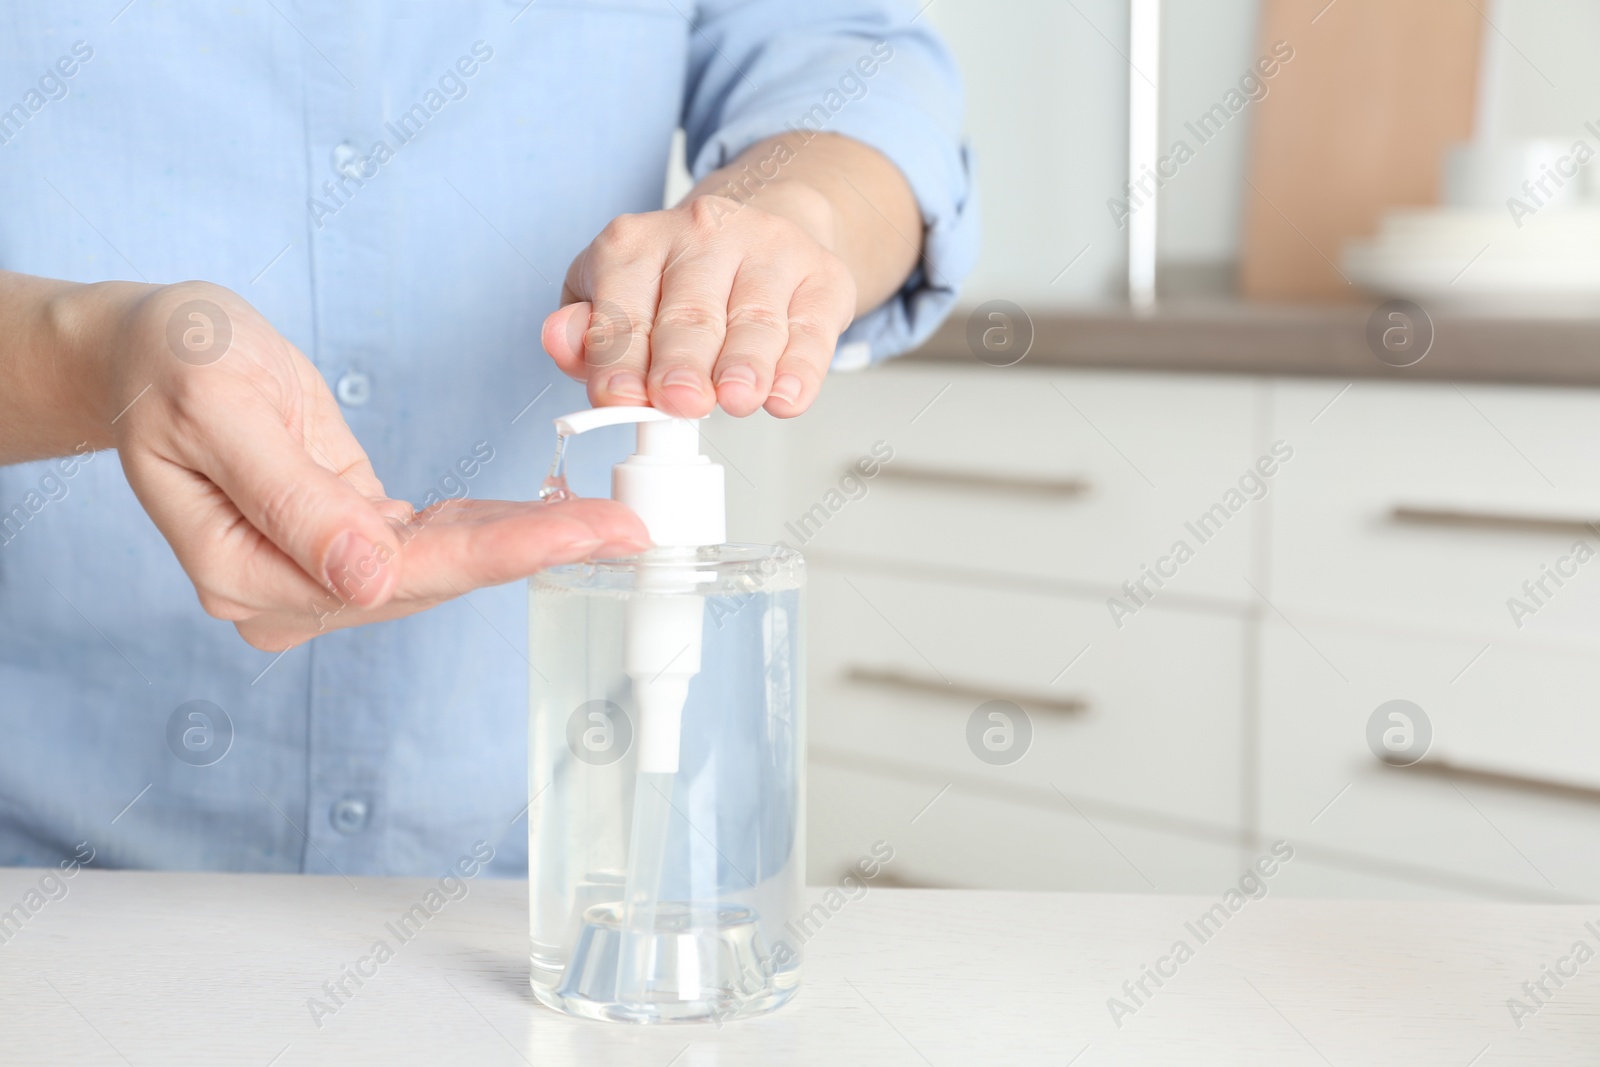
756	180
83	326
805	206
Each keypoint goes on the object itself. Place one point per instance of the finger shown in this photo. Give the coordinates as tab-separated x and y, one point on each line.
462	545
758	332
562	338
817	316
581	337
319	520
690	325
620	275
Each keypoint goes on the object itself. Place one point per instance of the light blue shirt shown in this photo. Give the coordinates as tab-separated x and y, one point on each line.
399	187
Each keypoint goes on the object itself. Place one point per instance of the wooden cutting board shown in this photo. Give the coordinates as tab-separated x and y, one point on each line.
1355	123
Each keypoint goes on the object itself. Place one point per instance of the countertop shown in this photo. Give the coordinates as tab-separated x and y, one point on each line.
1559	348
146	968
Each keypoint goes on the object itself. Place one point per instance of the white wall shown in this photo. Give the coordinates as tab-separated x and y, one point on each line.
1047	89
1047	104
1540	77
1206	48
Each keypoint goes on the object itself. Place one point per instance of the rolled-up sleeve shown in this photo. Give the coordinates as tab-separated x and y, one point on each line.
866	69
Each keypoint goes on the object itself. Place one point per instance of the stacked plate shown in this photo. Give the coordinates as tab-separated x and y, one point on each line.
1493	242
1466	254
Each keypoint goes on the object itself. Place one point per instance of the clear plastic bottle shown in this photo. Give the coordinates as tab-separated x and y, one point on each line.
667	780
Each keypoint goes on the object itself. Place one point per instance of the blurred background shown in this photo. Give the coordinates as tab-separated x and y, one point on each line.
1355	125
1258	506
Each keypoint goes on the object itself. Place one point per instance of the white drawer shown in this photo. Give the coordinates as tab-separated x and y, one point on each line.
968	839
1521	722
1435	504
1073	475
899	665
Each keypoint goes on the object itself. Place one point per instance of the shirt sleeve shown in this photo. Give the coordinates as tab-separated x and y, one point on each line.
867	69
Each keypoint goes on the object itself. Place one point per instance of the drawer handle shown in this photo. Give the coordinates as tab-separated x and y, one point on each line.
934	477
912	683
1524	783
1490	520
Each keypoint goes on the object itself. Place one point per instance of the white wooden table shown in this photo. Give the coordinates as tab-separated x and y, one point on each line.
217	969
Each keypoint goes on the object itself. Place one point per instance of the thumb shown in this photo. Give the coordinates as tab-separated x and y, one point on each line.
312	514
562	337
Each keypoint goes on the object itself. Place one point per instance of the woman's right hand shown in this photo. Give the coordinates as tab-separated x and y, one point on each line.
233	443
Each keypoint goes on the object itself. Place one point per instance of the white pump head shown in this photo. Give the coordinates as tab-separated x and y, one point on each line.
666	482
679	495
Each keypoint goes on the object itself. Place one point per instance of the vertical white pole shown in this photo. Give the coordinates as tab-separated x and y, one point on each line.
1489	122
1144	131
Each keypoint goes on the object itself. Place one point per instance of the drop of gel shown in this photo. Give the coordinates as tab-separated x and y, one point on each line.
554	490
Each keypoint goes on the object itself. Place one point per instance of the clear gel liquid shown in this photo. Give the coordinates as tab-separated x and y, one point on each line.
667	897
554	490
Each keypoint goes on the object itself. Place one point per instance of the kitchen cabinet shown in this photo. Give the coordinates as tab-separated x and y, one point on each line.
980	534
1516	816
909	660
961	833
1435	503
1084	477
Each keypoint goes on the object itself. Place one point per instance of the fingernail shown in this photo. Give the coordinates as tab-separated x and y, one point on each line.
738	374
682	376
626	384
618	548
788	387
353	568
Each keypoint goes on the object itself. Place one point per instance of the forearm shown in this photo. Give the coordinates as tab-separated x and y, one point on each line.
847	196
52	391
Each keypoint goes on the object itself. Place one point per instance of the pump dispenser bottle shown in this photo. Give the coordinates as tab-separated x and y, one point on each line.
666	754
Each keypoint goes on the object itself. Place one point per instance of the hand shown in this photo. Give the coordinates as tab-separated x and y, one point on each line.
712	302
234	445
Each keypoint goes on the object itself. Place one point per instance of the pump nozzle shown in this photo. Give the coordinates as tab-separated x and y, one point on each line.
594	418
679	495
666	482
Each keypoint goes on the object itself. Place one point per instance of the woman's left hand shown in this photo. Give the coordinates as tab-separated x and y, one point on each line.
738	295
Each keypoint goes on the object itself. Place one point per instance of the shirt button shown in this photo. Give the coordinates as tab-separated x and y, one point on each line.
346	160
349	816
353	388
